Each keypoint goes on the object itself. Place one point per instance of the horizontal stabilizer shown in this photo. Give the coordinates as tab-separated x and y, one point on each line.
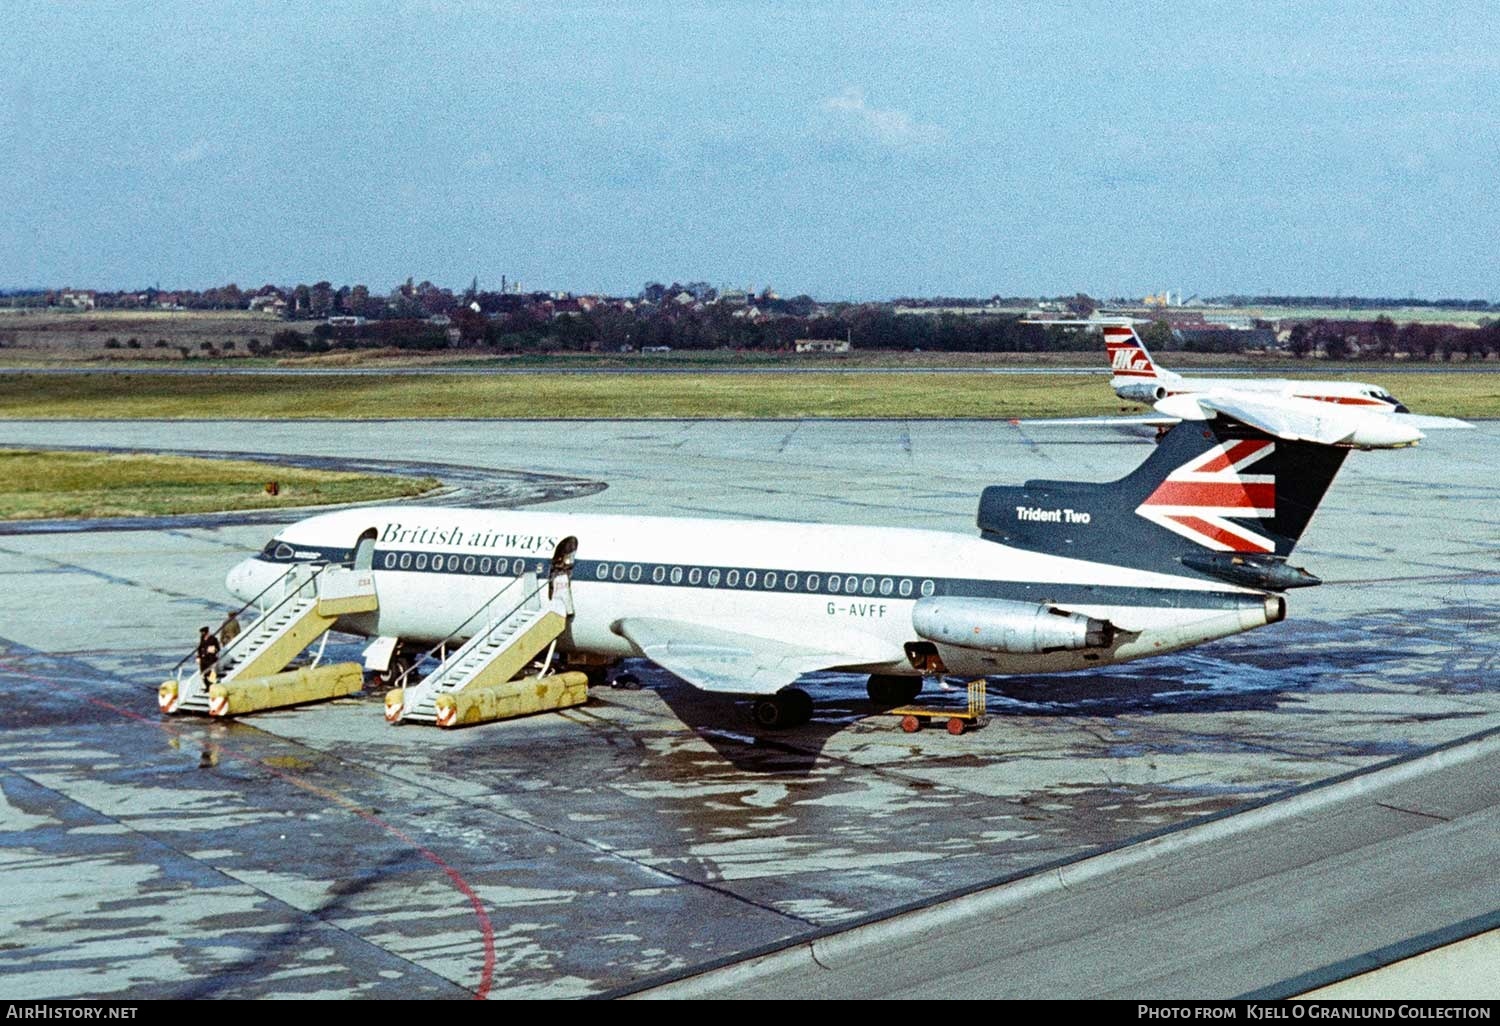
1143	420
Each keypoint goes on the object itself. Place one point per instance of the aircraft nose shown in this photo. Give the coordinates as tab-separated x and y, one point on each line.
240	580
1385	433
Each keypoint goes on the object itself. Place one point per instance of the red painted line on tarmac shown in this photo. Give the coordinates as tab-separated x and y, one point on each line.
486	930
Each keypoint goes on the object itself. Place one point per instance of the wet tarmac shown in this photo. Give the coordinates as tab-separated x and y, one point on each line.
318	851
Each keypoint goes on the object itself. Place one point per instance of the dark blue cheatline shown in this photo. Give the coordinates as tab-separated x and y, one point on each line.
773	580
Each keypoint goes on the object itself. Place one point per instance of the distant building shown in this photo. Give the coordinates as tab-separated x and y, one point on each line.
1218	338
822	345
269	303
1232	321
78	299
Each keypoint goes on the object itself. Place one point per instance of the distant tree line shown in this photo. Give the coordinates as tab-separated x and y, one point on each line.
1355	302
1383	339
696	316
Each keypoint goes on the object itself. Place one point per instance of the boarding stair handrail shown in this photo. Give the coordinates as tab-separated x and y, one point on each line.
289	596
495	623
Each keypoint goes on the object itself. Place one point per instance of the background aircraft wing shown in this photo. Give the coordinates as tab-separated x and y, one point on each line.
715	659
1295	419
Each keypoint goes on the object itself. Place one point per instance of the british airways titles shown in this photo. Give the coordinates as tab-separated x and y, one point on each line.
401	535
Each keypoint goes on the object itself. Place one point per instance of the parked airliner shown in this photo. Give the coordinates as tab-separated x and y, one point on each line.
1369	413
1189	547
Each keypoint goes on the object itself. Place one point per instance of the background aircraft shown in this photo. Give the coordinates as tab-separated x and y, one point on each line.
1335	412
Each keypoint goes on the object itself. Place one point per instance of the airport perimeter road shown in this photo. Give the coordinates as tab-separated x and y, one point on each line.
1271	902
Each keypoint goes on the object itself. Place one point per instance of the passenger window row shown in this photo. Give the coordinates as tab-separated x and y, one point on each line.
693	576
457	564
765	580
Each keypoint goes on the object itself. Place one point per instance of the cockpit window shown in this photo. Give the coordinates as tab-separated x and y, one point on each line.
276	549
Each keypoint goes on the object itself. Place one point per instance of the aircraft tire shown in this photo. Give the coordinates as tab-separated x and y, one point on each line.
799	705
790	708
768	713
885	689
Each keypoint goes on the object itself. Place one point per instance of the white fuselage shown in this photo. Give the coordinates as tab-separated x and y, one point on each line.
827	587
1356	395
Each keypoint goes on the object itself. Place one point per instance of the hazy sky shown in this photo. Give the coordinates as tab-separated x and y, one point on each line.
849	151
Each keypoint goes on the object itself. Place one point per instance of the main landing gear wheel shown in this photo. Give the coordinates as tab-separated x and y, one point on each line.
889	690
790	708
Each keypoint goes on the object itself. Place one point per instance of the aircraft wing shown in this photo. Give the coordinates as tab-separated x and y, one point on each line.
715	659
1295	419
1291	418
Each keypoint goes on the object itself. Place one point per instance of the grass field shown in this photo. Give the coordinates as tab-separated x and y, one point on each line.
607	396
617	396
1399	314
43	485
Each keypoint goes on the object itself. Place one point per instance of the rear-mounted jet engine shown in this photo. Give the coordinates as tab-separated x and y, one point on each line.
1000	625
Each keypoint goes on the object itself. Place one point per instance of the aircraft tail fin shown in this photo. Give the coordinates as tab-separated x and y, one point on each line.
1217	497
1128	357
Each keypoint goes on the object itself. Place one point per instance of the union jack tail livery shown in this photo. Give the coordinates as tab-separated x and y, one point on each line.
1206	499
1215	494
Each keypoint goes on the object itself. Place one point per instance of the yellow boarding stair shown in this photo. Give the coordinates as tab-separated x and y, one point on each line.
518	624
311	599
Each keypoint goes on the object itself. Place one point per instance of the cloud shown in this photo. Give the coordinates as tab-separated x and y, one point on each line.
192	154
896	129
